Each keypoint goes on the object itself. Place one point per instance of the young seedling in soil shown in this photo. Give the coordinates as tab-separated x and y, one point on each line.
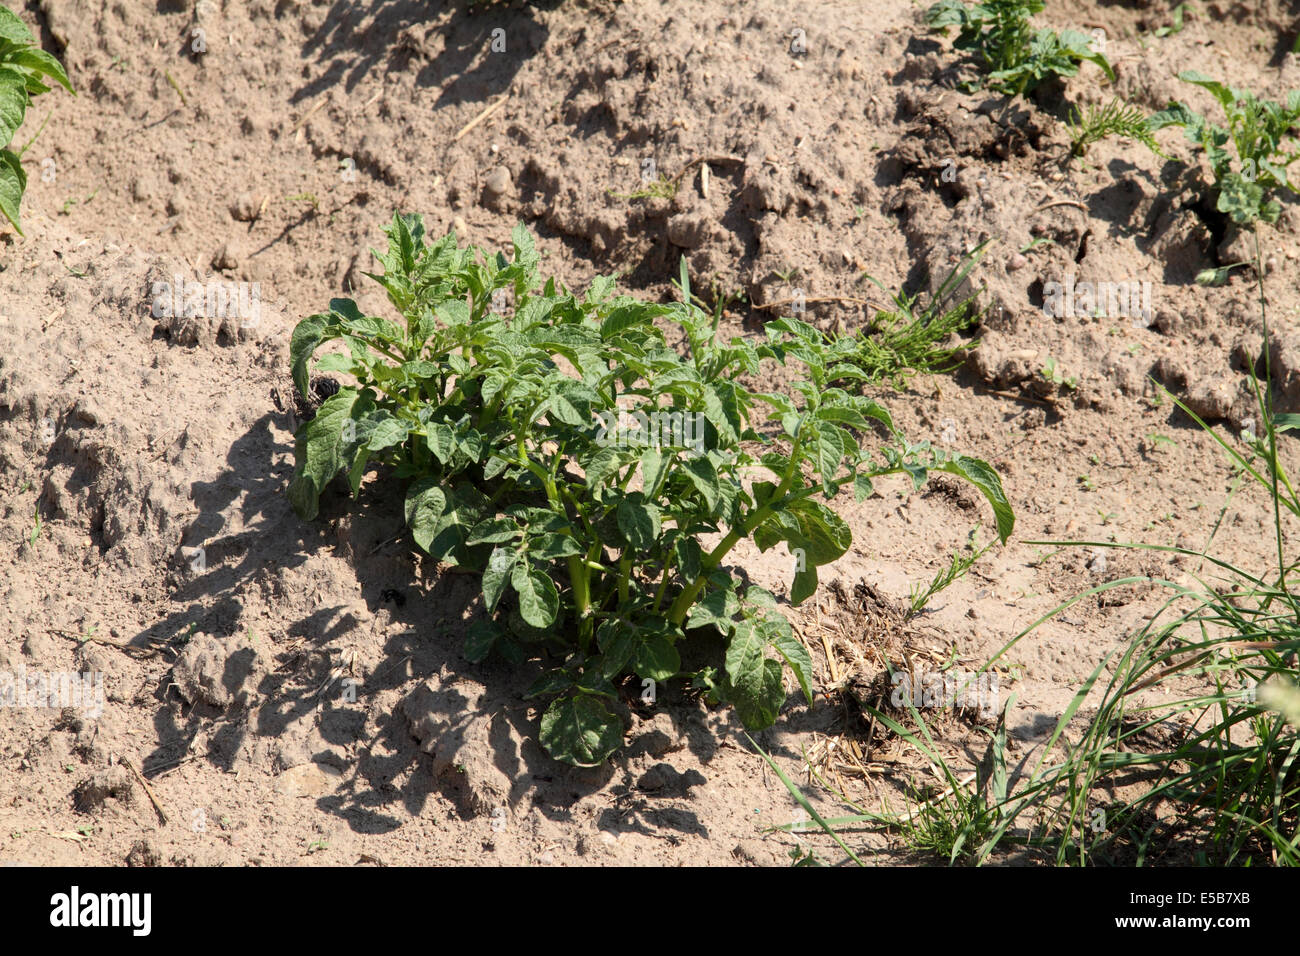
1256	128
1176	26
23	64
1052	374
1018	58
1116	118
661	188
956	569
596	478
907	339
1218	276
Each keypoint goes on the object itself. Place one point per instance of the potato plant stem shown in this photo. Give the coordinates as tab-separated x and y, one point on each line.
685	600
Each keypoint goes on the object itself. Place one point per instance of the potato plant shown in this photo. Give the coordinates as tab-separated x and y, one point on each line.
594	476
1256	129
23	64
1018	57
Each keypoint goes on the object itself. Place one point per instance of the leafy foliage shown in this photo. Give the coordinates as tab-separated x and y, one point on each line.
23	65
532	452
1018	57
1256	128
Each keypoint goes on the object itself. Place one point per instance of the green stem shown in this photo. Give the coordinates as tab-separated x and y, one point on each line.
664	579
680	606
580	577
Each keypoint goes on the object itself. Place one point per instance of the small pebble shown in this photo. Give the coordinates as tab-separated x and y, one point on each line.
498	181
244	208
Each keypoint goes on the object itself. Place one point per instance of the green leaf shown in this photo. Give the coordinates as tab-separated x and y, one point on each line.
500	566
704	477
13	181
307	337
721	412
13	30
829	450
334	362
804	585
617	640
466	507
1175	114
718	608
755	681
592	681
539	602
600	466
526	255
654	465
440	439
638	521
986	479
1219	91
13	102
318	451
40	63
425	504
479	638
388	431
820	532
550	682
1240	198
579	730
624	317
656	658
796	655
493	531
689	557
552	545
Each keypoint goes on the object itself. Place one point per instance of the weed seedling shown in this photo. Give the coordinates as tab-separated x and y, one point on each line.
957	568
1035	243
1050	373
909	338
1217	276
1177	25
1116	118
305	197
660	188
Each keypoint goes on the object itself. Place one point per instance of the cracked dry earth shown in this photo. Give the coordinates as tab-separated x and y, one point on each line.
295	693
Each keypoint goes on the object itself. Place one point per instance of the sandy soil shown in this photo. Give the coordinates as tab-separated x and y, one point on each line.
156	451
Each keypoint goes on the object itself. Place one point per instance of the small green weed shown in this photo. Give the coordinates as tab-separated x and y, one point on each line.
1116	118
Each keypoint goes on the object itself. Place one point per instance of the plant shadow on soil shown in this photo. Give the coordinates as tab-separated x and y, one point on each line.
299	714
467	35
